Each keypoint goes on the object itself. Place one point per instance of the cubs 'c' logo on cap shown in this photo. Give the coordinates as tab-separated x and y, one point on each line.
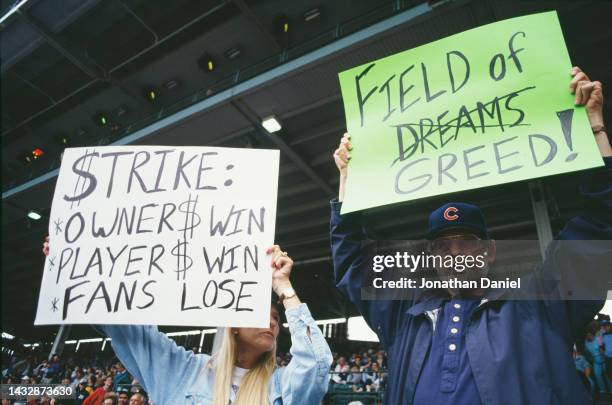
450	214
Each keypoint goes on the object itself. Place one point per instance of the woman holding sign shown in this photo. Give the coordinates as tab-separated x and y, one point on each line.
243	370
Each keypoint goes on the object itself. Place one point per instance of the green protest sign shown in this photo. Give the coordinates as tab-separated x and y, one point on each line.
487	106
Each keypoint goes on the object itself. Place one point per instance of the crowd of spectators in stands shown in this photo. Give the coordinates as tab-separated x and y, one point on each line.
97	383
106	382
363	371
593	357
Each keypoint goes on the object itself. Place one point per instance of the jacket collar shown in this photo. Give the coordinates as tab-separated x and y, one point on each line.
429	300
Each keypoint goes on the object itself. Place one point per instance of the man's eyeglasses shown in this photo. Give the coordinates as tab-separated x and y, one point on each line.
462	244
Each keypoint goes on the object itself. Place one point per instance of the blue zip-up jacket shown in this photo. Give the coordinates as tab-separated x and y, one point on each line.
172	375
519	351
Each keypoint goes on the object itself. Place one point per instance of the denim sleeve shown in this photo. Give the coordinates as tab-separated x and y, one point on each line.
583	264
305	379
156	361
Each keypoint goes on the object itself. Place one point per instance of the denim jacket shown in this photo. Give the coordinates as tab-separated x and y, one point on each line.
172	375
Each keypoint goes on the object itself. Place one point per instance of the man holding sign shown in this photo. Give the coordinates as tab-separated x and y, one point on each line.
475	346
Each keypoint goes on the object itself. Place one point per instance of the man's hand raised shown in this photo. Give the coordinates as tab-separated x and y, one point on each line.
341	157
590	94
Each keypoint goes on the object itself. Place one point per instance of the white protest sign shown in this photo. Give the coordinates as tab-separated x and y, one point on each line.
161	235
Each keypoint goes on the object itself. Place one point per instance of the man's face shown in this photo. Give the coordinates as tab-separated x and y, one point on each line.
460	245
124	398
457	242
137	399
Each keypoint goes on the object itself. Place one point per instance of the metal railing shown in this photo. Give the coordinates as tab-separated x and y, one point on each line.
355	386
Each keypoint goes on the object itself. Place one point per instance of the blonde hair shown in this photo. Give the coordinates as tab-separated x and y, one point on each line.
254	385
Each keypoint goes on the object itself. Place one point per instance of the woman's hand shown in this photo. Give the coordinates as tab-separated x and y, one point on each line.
281	269
590	94
341	157
45	249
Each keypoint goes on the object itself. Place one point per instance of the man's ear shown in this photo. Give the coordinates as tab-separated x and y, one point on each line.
491	252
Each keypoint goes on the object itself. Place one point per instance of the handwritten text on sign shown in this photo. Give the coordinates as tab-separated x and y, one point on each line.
161	235
487	106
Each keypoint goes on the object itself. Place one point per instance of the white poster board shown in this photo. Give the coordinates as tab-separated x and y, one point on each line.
161	235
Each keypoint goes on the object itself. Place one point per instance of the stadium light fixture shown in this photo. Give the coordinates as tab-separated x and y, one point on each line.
206	63
63	140
282	24
184	333
101	119
12	10
271	124
34	215
233	52
312	14
324	322
26	157
150	93
120	111
36	153
171	84
92	340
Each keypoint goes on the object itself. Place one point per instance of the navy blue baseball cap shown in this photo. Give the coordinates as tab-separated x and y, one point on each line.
456	215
